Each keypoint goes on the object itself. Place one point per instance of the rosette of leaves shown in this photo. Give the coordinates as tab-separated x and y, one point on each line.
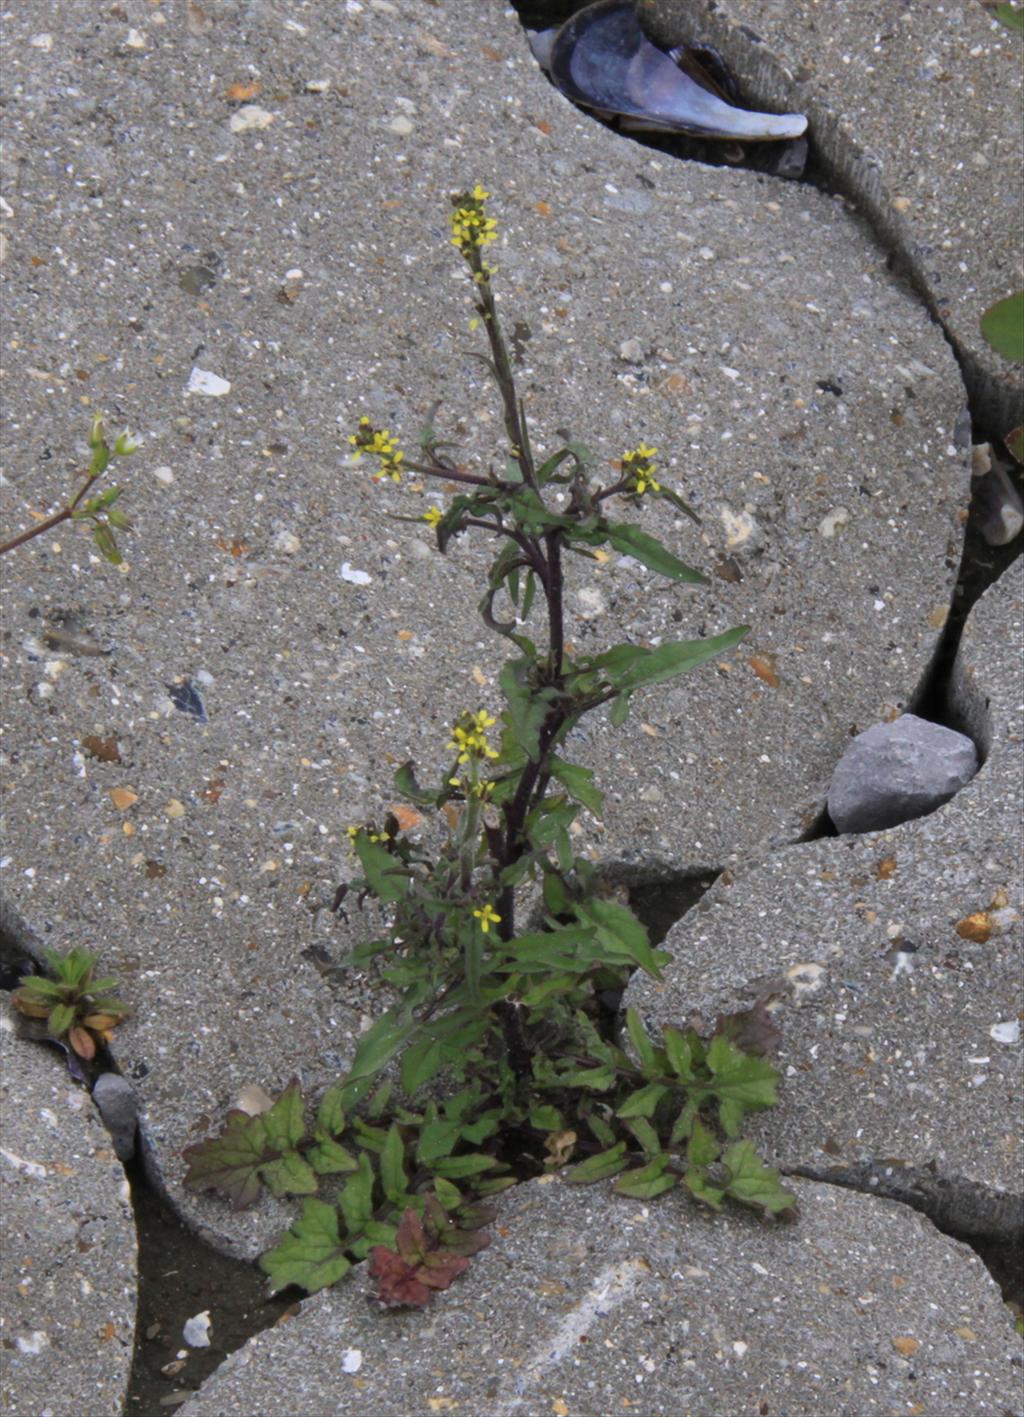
72	1005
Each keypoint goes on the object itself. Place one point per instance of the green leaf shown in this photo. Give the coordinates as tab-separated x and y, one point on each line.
702	1148
40	989
289	1175
647	1137
643	1103
356	1198
312	1253
457	1167
594	1079
638	1036
421	1063
230	1163
701	1188
600	1128
632	541
599	1167
285	1123
377	1047
648	1181
742	1083
1002	324
678	503
105	544
385	874
392	1166
448	1194
406	784
1012	16
525	708
679	1054
677	657
328	1158
579	783
752	1183
548	468
330	1116
683	1125
437	1140
621	936
546	1119
61	1018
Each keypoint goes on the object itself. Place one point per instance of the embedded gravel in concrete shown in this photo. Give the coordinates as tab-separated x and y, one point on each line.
893	964
917	111
67	1244
587	1304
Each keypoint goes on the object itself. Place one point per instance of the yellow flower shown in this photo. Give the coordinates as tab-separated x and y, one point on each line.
432	517
488	916
639	466
471	226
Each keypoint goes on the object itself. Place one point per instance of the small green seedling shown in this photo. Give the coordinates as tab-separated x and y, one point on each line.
106	518
78	1009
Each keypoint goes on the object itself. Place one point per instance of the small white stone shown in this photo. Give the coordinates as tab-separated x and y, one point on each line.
33	1343
317	85
1008	1032
400	125
196	1330
136	40
632	350
355	577
706	253
42	41
250	118
164	475
352	1360
286	542
832	521
201	381
591	602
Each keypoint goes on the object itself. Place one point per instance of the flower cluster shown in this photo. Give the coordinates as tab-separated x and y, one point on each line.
433	516
469	739
471	226
353	832
638	468
469	736
380	444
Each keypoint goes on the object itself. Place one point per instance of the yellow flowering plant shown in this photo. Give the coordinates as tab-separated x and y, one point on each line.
508	1014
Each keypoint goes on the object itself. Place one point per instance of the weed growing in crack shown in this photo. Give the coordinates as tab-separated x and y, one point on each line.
493	1046
71	1005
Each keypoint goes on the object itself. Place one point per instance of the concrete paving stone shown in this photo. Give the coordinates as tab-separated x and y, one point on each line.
894	961
259	694
587	1304
67	1244
918	112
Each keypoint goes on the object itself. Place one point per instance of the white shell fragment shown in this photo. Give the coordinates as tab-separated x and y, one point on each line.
602	59
201	381
196	1330
1008	1032
250	118
355	577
